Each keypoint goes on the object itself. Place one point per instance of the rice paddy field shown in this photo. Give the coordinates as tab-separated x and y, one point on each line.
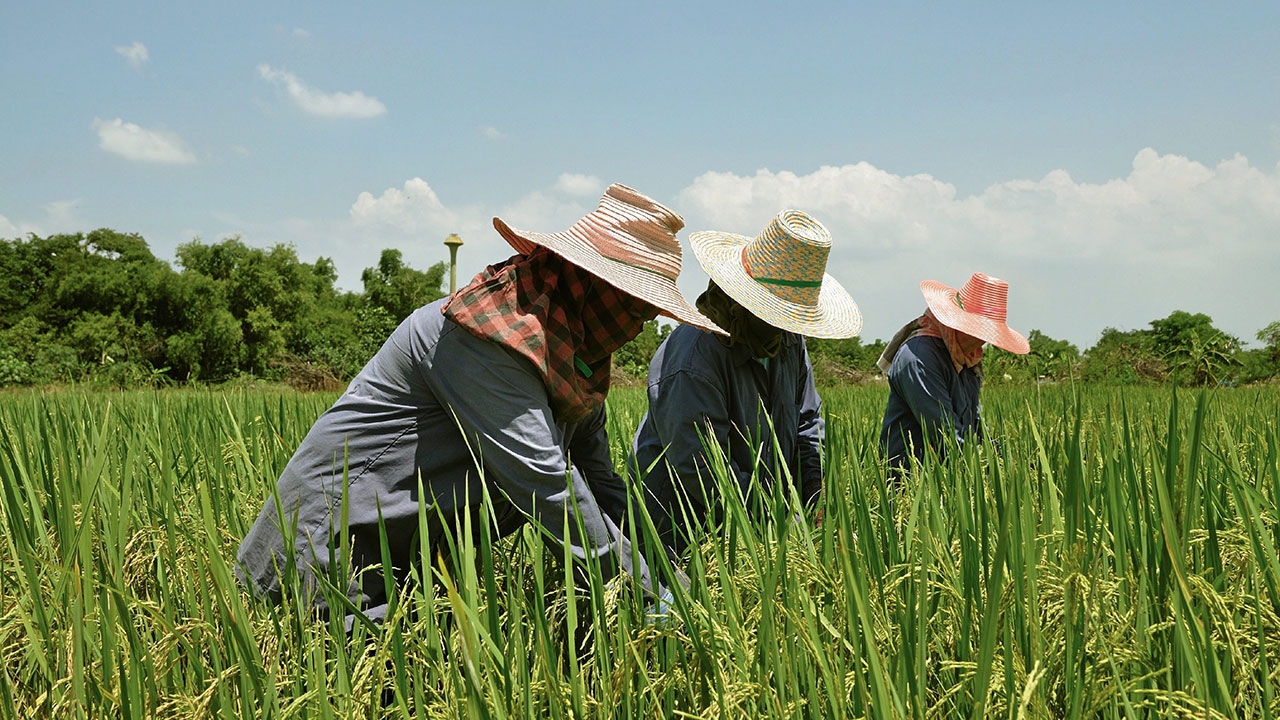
1117	557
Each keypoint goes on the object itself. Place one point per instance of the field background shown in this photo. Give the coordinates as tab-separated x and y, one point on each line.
1116	558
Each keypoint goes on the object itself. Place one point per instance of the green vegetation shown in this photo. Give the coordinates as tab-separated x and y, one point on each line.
99	309
1117	560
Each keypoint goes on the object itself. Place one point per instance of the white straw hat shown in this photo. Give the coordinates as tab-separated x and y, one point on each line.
780	276
979	309
629	241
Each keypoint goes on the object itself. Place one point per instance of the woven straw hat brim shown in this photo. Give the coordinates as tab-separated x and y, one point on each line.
836	316
645	284
941	299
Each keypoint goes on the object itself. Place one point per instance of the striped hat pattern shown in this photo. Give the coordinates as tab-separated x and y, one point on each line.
980	309
780	275
629	241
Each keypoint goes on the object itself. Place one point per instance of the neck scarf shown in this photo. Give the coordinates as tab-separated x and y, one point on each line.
928	326
560	317
760	338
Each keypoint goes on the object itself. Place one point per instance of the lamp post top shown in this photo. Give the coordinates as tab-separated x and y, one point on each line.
453	240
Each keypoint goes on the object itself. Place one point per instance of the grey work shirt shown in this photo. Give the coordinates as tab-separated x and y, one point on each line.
464	414
694	380
928	400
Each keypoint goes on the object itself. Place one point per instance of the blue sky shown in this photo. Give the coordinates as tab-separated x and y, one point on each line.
1113	163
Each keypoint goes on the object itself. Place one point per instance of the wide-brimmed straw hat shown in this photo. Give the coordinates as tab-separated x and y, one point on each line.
980	309
629	241
780	276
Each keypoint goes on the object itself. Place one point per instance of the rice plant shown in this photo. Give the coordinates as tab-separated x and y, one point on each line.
1107	553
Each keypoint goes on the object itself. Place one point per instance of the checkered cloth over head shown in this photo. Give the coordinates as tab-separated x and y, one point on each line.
563	319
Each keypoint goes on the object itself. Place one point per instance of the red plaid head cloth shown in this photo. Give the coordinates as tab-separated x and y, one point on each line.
564	320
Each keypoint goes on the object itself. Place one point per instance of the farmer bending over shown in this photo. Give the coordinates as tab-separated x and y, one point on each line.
498	388
738	391
934	366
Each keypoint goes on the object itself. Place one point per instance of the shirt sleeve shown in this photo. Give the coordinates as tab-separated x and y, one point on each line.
811	433
589	453
502	409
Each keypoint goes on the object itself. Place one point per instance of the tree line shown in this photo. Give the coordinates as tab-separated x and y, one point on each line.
99	308
1184	348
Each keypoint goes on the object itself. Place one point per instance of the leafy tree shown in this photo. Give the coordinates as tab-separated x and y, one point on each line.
90	297
210	343
1123	358
1270	337
1048	360
398	288
1196	351
634	357
28	274
1264	363
843	360
268	295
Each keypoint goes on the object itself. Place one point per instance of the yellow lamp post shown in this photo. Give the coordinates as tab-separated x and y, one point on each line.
454	242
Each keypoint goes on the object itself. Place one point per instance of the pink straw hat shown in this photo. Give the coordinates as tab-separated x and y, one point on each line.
629	241
978	309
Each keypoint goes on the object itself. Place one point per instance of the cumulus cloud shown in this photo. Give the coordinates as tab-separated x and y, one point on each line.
354	105
301	33
413	208
1172	234
133	142
135	54
488	132
579	185
60	216
62	213
415	219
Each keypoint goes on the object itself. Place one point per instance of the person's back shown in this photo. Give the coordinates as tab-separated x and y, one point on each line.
496	392
934	368
923	363
749	396
701	391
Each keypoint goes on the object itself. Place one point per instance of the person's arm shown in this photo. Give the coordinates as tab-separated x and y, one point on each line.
502	409
811	433
589	452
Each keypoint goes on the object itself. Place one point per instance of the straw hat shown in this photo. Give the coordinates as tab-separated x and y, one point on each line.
978	309
629	241
780	276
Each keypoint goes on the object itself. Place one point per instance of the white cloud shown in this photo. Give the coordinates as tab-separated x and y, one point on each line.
415	219
414	208
353	105
301	33
579	185
60	216
488	132
1173	234
240	150
137	143
135	54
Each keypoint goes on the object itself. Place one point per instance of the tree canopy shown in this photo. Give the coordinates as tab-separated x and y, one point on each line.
99	307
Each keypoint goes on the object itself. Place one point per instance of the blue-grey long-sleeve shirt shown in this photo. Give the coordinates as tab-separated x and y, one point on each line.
927	400
696	386
467	416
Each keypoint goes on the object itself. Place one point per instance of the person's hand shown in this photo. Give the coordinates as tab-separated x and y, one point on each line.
660	611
